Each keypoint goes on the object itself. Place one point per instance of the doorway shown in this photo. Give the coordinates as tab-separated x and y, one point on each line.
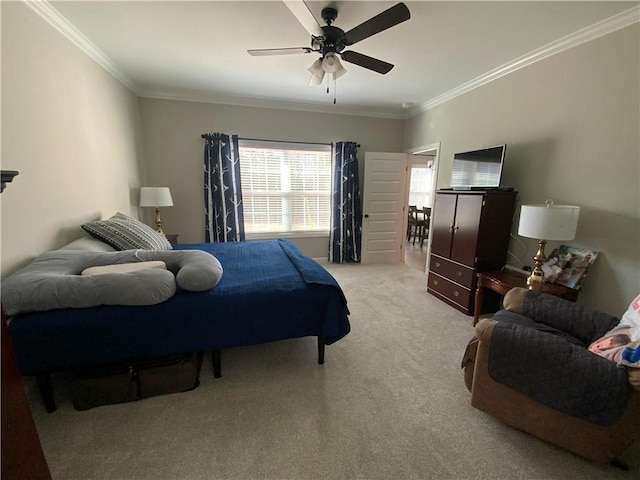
422	174
385	204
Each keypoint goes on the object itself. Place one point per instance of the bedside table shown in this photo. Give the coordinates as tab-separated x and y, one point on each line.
172	237
503	281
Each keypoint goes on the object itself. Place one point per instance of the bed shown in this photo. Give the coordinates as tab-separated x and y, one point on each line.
269	291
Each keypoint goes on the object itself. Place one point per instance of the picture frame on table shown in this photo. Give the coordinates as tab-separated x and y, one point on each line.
569	265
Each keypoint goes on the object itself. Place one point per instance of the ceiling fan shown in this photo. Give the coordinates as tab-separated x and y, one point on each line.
331	41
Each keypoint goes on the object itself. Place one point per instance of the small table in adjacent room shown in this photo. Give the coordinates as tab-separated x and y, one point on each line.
504	280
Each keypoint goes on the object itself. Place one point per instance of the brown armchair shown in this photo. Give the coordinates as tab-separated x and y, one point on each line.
529	366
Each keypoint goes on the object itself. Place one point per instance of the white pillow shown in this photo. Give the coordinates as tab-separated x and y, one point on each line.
621	344
124	267
88	243
631	354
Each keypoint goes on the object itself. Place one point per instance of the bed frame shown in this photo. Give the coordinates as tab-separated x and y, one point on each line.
269	291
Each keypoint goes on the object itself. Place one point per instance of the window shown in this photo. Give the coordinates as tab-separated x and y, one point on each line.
420	188
286	187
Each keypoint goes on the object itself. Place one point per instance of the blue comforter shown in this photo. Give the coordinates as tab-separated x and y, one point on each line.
269	291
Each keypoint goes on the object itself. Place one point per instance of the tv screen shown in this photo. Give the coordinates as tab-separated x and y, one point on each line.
478	168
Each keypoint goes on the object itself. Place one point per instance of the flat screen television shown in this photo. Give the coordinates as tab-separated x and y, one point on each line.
478	168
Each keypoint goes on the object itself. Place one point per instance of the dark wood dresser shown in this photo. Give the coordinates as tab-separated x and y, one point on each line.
470	234
22	455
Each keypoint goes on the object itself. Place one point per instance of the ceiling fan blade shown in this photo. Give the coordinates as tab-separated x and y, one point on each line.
261	52
387	19
304	16
366	62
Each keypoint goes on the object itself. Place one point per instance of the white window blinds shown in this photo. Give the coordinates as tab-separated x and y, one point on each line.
286	187
420	188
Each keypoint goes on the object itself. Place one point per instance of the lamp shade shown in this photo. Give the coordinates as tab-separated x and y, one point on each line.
331	63
338	73
155	197
316	68
317	73
549	221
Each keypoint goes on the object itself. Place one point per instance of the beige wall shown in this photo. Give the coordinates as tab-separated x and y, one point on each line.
571	124
71	130
174	149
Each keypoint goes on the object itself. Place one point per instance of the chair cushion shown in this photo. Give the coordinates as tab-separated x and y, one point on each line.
580	321
557	372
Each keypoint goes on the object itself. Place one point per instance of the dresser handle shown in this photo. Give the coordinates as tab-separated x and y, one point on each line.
437	264
435	282
458	273
456	293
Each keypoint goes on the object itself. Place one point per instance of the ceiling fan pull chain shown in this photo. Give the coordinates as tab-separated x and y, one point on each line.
334	88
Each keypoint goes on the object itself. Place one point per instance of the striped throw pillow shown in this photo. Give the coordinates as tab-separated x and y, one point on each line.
123	232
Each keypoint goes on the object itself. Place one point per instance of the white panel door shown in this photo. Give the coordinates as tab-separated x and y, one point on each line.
384	222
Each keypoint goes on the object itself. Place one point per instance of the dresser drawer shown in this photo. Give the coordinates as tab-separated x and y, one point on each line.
448	289
454	271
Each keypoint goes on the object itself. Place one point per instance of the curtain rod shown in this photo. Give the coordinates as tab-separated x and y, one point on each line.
283	141
204	135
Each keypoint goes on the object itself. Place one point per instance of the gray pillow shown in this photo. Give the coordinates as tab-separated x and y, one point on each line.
123	232
53	280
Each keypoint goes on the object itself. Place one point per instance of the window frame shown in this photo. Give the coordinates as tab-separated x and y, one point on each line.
286	145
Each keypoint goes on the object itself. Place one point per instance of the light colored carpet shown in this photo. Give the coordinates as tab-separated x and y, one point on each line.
389	403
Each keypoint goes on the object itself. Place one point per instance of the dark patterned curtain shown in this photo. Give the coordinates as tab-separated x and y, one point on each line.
346	214
224	218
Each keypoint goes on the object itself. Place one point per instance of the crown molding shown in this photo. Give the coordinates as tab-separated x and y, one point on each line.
54	18
275	104
604	27
51	16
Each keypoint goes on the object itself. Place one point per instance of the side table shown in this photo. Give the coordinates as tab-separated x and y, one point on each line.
502	281
172	237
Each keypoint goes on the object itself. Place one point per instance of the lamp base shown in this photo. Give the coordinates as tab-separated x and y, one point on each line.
536	279
159	222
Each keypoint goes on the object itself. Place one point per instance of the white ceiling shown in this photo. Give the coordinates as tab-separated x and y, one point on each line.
198	50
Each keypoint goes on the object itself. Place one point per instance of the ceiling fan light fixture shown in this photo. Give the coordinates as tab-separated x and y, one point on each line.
338	73
316	80
331	63
317	73
330	40
316	68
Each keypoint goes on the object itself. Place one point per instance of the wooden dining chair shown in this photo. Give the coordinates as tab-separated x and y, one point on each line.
412	222
415	225
424	228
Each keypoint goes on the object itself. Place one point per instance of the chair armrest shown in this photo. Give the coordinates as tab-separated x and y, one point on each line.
484	330
581	322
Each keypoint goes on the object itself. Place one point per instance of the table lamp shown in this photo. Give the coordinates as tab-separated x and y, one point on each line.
546	222
156	197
